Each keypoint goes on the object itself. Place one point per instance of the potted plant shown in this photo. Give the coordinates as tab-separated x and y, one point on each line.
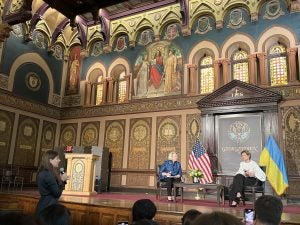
195	174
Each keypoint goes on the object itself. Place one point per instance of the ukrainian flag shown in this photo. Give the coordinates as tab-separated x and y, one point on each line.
272	158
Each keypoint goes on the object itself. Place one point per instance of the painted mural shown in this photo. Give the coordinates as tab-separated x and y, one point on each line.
74	67
158	71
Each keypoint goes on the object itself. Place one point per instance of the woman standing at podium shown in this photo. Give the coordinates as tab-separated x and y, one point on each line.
50	182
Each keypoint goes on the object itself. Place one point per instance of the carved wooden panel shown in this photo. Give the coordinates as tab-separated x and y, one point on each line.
48	137
291	129
137	179
6	127
89	133
26	141
114	140
167	137
140	143
68	134
107	218
115	179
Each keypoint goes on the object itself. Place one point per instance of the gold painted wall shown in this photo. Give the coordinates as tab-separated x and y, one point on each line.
6	127
26	141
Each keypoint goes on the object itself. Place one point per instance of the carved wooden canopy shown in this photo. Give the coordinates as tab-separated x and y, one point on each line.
237	96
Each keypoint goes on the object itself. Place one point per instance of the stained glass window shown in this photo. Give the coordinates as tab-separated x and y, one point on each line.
278	65
206	75
240	66
99	93
122	86
122	91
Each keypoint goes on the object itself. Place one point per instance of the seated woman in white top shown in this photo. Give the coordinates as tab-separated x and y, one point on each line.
247	174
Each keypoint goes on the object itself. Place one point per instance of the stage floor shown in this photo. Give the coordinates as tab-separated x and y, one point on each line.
125	200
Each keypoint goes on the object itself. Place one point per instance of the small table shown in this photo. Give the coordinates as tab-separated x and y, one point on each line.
218	187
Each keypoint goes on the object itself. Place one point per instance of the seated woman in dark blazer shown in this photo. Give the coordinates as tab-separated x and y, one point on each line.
170	172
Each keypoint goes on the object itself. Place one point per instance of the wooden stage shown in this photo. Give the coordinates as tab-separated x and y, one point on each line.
109	208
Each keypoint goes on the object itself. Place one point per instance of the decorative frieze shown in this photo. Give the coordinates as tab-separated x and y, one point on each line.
71	100
3	82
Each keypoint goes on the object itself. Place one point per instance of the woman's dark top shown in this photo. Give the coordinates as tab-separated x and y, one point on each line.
49	188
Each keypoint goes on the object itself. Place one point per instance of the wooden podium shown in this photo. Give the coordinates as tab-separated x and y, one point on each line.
81	169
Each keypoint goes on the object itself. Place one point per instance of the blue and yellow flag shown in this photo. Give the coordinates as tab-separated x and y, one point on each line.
272	158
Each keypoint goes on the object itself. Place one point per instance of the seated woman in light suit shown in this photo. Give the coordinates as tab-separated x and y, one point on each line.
248	174
170	172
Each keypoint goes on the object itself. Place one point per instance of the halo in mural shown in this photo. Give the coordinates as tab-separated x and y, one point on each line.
33	81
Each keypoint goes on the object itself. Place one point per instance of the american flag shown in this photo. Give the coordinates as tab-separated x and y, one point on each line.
199	159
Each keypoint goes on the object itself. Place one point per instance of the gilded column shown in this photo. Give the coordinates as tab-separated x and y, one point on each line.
104	95
94	93
291	52
110	90
225	66
262	68
127	79
251	62
192	79
217	82
88	90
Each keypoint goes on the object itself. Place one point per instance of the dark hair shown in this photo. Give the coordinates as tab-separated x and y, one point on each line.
16	218
143	209
46	165
217	218
247	152
268	209
55	214
190	216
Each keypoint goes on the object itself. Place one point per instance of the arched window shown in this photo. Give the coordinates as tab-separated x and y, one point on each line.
240	66
278	65
206	75
99	91
122	88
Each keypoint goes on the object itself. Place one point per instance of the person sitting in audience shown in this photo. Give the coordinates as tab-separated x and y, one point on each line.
170	172
248	174
16	218
143	209
268	210
190	216
55	214
216	218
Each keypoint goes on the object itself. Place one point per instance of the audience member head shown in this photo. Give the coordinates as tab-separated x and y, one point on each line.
268	210
15	218
190	216
216	218
146	222
55	214
143	209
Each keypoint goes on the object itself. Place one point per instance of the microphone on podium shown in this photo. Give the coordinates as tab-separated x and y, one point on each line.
62	170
